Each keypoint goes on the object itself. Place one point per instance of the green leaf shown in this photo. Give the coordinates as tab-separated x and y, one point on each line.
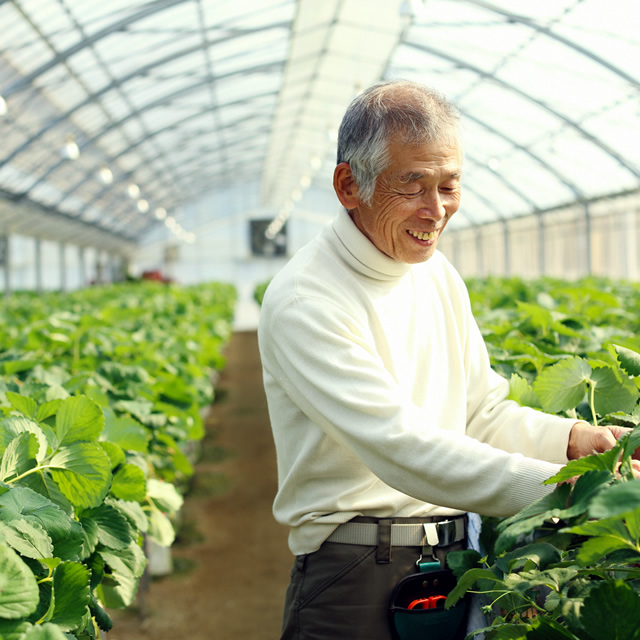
24	405
466	582
520	391
595	549
79	419
115	453
13	426
111	527
47	410
606	461
546	629
70	547
539	554
19	456
629	360
132	511
129	483
44	484
616	500
89	536
101	616
14	629
461	561
70	595
612	392
161	530
46	631
83	473
125	432
611	611
126	567
563	385
19	595
164	495
23	503
28	538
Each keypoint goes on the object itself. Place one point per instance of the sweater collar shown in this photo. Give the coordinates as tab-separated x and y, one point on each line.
361	254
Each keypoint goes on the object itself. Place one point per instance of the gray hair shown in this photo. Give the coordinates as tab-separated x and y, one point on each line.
416	113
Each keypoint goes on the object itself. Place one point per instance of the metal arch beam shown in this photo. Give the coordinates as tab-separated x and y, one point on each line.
574	125
124	212
572	187
149	10
551	34
127	150
508	184
140	71
127	175
156	103
8	196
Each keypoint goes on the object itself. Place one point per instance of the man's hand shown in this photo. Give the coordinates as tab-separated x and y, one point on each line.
585	439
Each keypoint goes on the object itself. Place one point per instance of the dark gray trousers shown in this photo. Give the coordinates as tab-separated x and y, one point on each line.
341	591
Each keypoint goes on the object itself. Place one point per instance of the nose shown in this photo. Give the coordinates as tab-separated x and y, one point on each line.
431	206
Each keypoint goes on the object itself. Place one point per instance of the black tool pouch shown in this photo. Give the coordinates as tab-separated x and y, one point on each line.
435	623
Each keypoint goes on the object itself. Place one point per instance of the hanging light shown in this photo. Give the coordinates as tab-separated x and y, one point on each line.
133	190
494	164
3	107
161	213
143	206
305	181
104	175
70	151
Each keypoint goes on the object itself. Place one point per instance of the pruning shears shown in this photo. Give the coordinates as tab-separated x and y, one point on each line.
427	603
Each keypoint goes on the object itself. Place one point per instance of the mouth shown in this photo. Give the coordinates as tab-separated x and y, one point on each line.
422	235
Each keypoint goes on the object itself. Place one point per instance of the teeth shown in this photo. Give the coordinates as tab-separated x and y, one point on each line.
423	235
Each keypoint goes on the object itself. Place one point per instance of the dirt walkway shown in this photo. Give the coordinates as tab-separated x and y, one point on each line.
231	559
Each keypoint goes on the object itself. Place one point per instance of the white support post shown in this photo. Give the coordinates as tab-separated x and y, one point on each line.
38	263
63	267
81	265
479	254
587	237
542	266
5	261
506	237
630	244
99	274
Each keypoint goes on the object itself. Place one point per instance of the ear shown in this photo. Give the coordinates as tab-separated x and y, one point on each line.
345	186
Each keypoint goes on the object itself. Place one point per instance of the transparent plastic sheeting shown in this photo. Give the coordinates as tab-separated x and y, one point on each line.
169	100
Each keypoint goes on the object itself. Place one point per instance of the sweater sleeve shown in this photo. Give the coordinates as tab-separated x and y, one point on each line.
503	423
324	362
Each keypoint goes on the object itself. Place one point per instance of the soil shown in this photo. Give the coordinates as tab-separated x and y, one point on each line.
230	561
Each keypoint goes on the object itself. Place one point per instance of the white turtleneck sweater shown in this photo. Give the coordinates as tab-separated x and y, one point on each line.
381	396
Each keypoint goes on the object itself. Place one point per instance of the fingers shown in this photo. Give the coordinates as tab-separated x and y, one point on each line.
602	439
619	432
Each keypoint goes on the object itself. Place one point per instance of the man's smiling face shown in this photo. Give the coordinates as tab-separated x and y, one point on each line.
414	198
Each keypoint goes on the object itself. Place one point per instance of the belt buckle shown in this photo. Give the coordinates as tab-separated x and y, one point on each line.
446	532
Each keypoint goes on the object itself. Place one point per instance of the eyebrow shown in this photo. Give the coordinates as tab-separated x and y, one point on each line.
412	176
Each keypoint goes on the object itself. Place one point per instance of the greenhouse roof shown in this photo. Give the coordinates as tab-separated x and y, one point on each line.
113	115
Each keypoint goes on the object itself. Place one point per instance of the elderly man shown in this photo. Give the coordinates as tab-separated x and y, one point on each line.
384	408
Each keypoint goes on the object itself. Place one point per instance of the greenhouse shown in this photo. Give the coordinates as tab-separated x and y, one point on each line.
161	163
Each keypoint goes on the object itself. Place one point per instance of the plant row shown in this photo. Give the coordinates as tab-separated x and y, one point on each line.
567	566
101	399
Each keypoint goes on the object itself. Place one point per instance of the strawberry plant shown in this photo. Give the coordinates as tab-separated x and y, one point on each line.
565	567
98	404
